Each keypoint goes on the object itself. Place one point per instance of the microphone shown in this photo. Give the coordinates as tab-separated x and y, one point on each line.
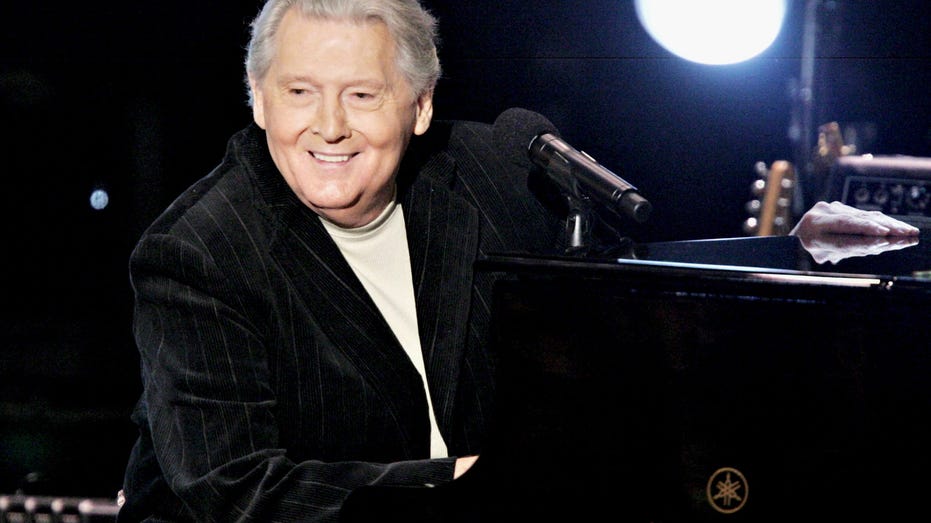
529	139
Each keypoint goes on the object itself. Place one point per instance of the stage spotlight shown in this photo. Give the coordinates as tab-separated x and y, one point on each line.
99	199
715	32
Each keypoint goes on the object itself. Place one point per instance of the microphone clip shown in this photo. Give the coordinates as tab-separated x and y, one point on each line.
578	225
582	220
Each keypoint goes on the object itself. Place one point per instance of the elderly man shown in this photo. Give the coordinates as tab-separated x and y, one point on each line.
307	315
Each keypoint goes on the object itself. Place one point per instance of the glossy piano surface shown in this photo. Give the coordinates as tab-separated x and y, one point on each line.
745	379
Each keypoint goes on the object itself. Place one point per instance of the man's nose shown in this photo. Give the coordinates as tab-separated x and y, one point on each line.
330	121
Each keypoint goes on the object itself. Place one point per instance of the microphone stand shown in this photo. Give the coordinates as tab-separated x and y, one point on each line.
582	221
578	225
800	128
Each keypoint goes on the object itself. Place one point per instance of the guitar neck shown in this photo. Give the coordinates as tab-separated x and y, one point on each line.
775	213
772	208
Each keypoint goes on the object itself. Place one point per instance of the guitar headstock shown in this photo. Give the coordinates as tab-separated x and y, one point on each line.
830	147
771	207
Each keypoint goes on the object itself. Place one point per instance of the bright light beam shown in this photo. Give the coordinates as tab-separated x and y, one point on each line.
715	32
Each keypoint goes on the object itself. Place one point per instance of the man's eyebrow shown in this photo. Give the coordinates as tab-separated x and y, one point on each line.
374	83
295	78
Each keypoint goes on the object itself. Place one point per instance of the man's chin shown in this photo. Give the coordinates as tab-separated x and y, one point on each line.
347	217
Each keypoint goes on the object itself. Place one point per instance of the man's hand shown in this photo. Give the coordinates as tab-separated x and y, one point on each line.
836	247
839	218
463	464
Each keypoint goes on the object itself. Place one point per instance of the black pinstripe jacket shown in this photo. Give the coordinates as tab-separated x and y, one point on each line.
272	385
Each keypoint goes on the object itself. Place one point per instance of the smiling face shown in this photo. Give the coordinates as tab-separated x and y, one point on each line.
338	115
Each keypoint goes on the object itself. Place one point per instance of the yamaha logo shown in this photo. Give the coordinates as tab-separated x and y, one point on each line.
727	490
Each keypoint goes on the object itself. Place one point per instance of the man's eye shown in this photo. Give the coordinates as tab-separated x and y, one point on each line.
297	92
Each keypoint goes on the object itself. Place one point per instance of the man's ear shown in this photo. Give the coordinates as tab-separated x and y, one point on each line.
424	113
258	105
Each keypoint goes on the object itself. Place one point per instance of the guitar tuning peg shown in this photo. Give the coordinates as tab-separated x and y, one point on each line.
758	187
760	169
750	226
753	207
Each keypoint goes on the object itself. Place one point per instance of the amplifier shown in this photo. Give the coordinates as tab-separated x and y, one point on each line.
899	186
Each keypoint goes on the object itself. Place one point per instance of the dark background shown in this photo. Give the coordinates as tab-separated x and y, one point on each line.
140	98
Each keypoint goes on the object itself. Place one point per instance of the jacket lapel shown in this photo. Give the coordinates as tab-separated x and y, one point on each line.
345	313
443	242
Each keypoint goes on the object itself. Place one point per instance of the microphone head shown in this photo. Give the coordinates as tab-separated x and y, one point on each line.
513	131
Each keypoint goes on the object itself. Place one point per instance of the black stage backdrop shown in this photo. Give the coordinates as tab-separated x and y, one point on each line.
140	97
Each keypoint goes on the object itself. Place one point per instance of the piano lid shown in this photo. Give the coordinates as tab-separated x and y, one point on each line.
835	260
886	258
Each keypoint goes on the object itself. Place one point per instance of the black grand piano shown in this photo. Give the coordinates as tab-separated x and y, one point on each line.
744	379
